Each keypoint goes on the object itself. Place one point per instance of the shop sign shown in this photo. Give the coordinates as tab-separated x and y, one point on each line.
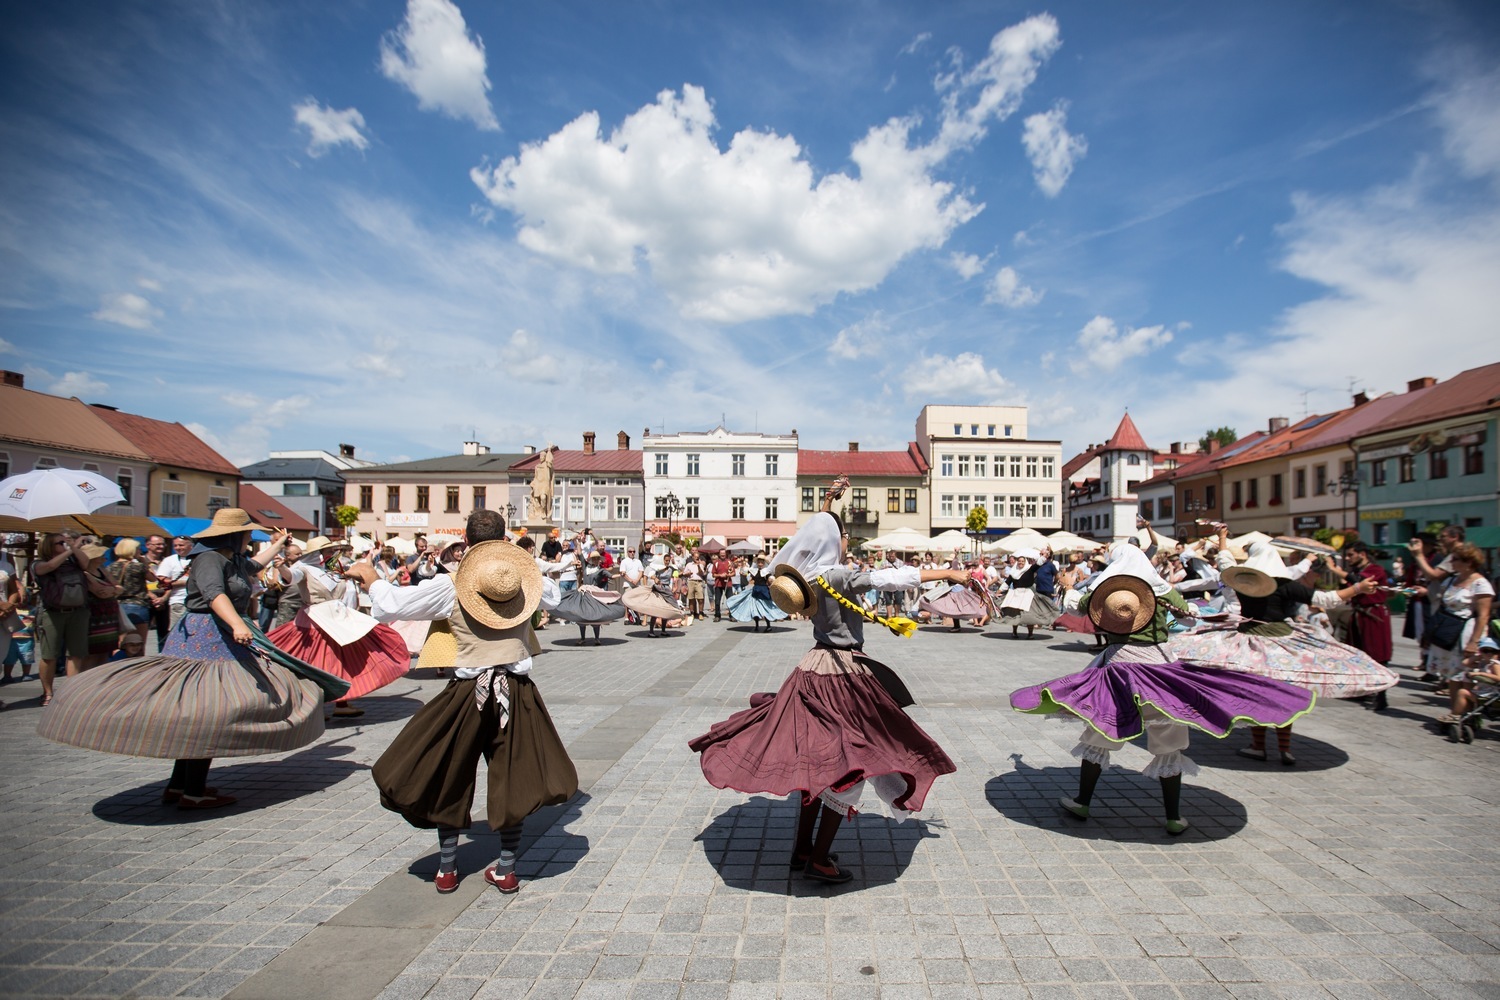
406	520
1309	523
1389	451
1388	514
693	528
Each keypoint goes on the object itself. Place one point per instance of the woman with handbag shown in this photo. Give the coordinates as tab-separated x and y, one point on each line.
1461	620
104	607
62	623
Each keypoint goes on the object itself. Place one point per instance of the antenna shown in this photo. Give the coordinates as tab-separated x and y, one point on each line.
1352	383
1304	401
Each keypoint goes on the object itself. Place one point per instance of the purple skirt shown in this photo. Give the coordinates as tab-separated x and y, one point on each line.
1109	694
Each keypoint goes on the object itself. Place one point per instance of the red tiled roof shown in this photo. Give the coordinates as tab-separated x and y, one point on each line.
258	503
616	460
35	418
1473	391
857	463
1189	465
1126	437
167	443
1078	461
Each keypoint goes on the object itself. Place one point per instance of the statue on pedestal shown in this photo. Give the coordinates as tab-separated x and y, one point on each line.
540	511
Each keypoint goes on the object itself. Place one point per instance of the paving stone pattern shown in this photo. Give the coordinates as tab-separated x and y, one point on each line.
1369	870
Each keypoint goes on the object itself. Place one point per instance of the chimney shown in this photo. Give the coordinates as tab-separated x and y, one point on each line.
346	451
1177	447
1412	386
475	448
588	442
1361	398
1213	445
1277	424
13	379
854	446
529	449
622	441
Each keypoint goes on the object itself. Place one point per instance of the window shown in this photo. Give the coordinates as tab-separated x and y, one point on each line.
575	508
423	502
991	432
1320	479
974	430
773	463
737	465
1210	497
692	463
1031	507
46	463
1164	507
1299	483
1377	473
1255	492
1346	471
125	480
945	505
5	469
1187	499
958	430
556	507
964	504
615	543
1031	466
1048	510
946	464
661	508
773	508
622	508
1382	533
1473	459
1049	468
481	497
997	506
690	507
1133	459
296	489
911	501
1106	520
172	504
1148	510
964	466
1437	464
1015	466
1276	480
1406	468
661	465
575	482
1017	508
393	498
1236	494
737	508
1007	430
860	498
893	501
367	498
450	500
600	508
979	466
807	498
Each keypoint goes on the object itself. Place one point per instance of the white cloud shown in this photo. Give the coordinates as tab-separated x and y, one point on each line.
378	364
967	265
1006	288
149	284
1051	149
860	340
249	440
1103	346
6	347
993	87
435	56
127	309
1469	111
962	379
526	354
327	128
80	384
916	44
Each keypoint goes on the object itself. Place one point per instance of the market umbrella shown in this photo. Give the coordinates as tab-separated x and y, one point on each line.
901	540
1021	538
402	546
1313	546
713	545
1248	539
745	548
950	540
1165	541
1066	541
53	492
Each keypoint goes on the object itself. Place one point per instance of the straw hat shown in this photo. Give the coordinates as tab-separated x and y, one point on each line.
498	584
1122	605
317	543
790	591
1249	581
230	521
92	552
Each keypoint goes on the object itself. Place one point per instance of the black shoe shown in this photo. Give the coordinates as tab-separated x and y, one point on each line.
822	874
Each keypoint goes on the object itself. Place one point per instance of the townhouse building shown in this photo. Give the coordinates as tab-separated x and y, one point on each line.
980	456
734	485
887	489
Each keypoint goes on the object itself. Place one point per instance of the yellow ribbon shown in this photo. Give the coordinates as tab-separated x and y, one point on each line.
903	628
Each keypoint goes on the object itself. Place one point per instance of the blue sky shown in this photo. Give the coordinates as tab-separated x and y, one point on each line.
400	223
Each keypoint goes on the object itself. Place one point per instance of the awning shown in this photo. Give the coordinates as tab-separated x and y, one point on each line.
127	525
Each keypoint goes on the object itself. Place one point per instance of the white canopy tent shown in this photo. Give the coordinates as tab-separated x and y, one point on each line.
1022	538
1066	541
900	540
950	540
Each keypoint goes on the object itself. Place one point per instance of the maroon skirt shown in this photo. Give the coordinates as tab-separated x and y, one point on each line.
832	725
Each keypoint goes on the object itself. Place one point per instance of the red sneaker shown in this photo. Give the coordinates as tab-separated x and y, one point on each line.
507	883
446	882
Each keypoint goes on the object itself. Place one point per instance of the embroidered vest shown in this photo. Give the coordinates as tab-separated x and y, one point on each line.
482	646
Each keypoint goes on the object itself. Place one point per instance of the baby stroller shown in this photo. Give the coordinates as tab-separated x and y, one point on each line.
1486	708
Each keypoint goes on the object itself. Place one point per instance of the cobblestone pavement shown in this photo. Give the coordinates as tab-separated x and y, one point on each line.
1368	870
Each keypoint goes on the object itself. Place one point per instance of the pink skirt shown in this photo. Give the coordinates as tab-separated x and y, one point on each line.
368	665
1306	658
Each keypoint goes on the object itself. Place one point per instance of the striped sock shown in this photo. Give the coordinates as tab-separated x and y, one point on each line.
447	849
510	846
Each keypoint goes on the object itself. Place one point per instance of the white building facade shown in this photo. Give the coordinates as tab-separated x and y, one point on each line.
726	484
980	456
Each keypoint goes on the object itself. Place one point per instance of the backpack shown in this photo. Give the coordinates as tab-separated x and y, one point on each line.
63	589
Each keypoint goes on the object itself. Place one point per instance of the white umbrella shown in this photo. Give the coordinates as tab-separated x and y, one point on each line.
901	540
402	546
1165	541
1021	538
57	492
1066	541
950	540
1248	539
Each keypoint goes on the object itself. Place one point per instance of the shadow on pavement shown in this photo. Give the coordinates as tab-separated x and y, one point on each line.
750	846
604	640
546	848
1002	631
643	634
1126	807
750	629
379	707
1223	755
256	783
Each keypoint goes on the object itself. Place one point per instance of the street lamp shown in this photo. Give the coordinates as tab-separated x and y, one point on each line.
1348	485
510	512
673	506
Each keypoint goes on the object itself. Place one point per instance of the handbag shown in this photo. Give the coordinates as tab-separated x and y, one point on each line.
1444	629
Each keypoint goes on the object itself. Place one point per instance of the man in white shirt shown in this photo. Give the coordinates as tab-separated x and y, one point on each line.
632	570
172	576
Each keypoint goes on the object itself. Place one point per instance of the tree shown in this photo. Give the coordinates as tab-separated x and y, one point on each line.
1224	435
978	520
346	514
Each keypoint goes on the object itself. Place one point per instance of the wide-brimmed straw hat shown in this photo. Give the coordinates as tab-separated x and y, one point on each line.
1122	605
230	521
317	543
1249	581
790	591
498	584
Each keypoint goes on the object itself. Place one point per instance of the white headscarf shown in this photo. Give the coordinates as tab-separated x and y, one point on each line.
1127	560
814	549
1266	559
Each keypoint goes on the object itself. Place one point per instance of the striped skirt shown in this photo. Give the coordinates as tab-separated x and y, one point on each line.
202	696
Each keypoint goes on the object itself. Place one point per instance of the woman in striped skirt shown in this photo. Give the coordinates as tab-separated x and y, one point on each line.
207	694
